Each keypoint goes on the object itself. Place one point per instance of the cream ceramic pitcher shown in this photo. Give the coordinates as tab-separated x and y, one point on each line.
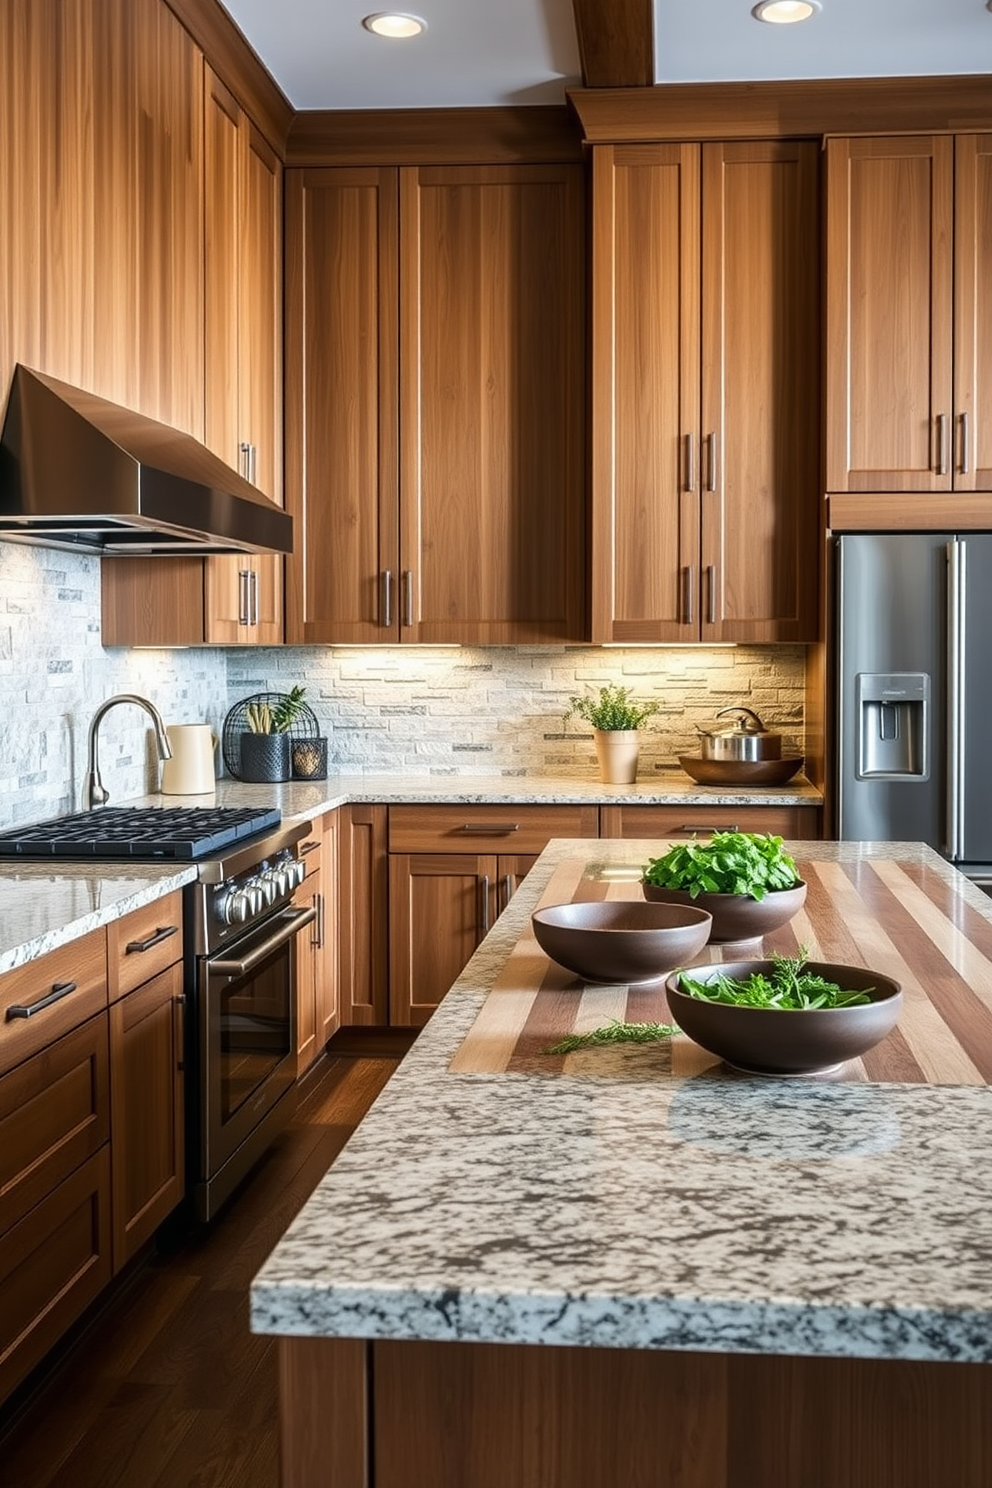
190	771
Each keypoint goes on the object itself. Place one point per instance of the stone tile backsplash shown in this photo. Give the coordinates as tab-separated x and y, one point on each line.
54	673
416	710
451	711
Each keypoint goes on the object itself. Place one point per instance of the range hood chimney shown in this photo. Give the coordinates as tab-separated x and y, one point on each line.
80	473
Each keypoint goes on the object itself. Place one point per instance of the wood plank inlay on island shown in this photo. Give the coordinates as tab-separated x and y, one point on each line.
866	913
661	1275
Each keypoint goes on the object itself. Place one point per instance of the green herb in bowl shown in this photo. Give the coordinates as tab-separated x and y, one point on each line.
789	987
752	863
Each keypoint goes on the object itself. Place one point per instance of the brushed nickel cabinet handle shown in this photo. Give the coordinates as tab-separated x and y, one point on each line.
244	460
387	598
707	827
711	594
712	441
309	847
28	1009
244	602
509	888
490	829
942	444
252	597
687	598
163	932
965	451
485	904
408	597
254	464
690	462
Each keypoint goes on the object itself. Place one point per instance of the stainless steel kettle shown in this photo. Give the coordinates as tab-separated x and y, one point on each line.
747	739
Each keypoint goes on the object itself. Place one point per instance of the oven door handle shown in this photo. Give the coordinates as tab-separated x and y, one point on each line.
293	921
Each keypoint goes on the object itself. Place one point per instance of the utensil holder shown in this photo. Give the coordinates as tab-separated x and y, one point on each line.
265	757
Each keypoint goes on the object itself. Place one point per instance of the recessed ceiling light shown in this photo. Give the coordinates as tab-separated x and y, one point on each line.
394	23
785	12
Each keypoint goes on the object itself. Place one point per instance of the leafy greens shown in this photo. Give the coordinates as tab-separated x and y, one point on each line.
752	863
789	988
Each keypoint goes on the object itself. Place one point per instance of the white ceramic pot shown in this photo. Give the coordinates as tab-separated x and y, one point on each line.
190	771
617	751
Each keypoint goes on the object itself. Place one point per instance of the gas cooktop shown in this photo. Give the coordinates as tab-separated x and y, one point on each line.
139	833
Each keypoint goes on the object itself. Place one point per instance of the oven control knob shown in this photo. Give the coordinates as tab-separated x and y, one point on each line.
234	909
267	888
282	879
298	869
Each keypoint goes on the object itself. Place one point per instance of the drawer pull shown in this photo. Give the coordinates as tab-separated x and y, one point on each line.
162	933
490	829
28	1009
708	827
485	904
308	847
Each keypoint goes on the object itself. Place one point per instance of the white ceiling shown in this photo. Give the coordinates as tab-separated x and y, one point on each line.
487	52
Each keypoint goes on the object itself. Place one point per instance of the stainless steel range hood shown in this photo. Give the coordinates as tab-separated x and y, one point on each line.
78	472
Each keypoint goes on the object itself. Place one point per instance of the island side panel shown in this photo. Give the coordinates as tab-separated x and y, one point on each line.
464	1415
324	1413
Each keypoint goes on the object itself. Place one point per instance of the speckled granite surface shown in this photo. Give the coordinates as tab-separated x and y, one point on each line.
42	907
739	1214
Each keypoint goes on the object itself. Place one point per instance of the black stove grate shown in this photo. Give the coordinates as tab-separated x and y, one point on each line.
139	833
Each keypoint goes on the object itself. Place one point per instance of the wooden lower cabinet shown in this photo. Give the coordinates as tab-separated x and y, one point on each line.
53	1263
443	901
796	823
415	1414
318	1009
363	912
146	1073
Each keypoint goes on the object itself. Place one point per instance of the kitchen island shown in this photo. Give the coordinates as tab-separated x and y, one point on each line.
645	1269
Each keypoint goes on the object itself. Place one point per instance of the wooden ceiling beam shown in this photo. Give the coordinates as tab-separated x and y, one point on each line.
616	42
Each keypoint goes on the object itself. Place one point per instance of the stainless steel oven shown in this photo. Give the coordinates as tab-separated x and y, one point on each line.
241	1045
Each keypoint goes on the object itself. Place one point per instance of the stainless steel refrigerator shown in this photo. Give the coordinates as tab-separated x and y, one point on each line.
914	692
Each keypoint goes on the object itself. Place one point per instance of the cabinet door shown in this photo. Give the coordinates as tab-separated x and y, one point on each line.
760	430
441	905
972	448
362	915
341	409
146	1106
645	393
889	305
492	395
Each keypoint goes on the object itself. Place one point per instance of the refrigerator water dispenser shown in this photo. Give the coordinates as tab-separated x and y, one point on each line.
893	711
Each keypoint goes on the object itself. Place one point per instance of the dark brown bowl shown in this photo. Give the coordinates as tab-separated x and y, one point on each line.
621	940
736	916
740	772
770	1041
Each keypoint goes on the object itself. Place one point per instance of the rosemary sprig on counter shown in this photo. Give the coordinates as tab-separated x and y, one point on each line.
614	1032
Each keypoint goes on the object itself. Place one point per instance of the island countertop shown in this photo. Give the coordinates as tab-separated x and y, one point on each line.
644	1208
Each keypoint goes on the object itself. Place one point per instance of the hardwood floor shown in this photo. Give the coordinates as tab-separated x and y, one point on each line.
168	1388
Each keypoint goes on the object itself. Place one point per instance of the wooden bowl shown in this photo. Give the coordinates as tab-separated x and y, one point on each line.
736	916
772	1041
740	772
621	940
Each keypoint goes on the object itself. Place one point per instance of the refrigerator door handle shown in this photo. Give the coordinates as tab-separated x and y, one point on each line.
956	642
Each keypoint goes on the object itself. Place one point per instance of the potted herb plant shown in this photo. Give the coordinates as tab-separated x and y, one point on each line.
265	754
615	719
746	880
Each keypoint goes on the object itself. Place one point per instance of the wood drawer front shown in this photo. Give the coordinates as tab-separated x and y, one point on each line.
52	1265
516	829
144	943
54	1114
792	822
81	964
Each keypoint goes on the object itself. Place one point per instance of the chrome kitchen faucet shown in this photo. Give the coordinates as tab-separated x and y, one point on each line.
94	792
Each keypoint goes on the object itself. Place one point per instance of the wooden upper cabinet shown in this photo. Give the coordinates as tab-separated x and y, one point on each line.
342	347
889	304
972	446
760	413
243	352
705	392
435	404
492	390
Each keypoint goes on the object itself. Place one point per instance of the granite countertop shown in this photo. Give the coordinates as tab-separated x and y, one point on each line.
730	1214
43	906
